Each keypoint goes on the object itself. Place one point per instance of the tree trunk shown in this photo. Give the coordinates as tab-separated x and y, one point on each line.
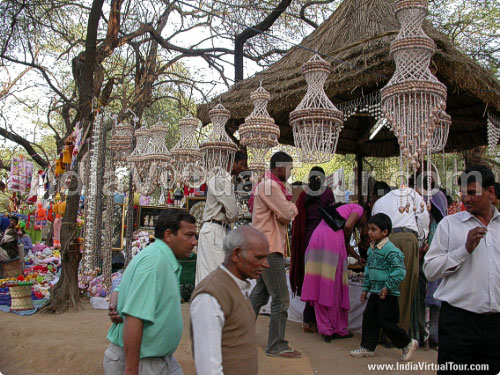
65	294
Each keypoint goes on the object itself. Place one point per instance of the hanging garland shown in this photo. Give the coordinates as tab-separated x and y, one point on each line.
107	235
367	103
95	185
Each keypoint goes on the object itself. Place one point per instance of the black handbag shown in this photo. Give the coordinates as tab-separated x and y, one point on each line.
332	217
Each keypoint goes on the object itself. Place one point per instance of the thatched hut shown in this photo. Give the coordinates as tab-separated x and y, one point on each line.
356	41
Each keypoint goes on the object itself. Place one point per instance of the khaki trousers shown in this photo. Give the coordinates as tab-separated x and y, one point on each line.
114	363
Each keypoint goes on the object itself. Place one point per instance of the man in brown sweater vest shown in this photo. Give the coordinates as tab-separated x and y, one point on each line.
222	317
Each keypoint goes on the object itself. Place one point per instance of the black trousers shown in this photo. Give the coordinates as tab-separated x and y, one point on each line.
309	316
468	338
382	314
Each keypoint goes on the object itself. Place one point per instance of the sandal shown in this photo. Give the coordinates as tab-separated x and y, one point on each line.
289	353
309	328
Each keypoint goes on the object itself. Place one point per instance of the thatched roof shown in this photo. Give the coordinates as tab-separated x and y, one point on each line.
356	41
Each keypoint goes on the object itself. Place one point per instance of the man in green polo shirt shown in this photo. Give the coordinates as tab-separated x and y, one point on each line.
149	302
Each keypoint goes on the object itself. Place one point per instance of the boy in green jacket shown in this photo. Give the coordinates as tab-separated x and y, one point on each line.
384	272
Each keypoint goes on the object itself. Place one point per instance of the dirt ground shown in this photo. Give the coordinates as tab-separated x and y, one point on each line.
73	344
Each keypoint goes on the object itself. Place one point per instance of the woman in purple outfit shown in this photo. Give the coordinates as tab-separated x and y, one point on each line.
325	282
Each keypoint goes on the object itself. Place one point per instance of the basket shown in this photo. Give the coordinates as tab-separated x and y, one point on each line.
20	297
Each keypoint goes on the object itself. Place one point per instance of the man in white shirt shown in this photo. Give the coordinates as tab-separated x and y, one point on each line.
409	230
222	318
465	252
220	212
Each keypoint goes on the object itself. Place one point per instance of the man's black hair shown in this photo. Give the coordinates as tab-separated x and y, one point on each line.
171	219
2	185
278	158
497	190
15	218
380	188
239	156
478	173
382	221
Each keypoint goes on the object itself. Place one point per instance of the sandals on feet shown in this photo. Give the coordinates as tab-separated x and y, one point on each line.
309	328
289	353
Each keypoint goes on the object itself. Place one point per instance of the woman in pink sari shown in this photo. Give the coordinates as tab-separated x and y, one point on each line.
325	282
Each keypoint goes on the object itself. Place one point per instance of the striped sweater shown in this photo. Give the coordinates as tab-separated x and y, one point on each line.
385	268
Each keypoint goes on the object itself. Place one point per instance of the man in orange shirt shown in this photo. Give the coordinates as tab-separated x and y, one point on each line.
272	211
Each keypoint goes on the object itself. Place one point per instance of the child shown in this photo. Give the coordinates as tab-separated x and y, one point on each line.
384	272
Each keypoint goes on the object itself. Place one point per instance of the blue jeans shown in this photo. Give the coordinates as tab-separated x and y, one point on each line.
273	284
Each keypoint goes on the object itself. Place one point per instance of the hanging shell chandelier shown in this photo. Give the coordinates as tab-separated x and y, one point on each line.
121	142
493	132
440	134
259	132
143	171
159	156
413	98
316	122
218	149
186	157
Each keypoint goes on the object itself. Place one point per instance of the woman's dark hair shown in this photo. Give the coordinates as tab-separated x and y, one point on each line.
382	221
171	219
316	178
315	183
239	156
477	173
2	185
280	157
14	218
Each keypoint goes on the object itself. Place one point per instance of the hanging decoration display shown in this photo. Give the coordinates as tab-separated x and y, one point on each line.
441	131
121	142
493	132
92	230
367	103
186	157
143	172
159	156
414	97
107	233
259	132
316	122
218	149
20	175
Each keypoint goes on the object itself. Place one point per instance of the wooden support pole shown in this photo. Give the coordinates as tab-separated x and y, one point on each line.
359	177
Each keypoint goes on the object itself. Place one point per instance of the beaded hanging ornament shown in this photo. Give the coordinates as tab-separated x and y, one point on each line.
441	131
218	149
366	104
144	173
92	230
493	132
121	142
107	233
413	98
160	156
186	157
316	122
259	132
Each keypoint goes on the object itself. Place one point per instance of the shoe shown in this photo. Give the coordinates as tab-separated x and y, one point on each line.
408	350
339	337
327	338
361	352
